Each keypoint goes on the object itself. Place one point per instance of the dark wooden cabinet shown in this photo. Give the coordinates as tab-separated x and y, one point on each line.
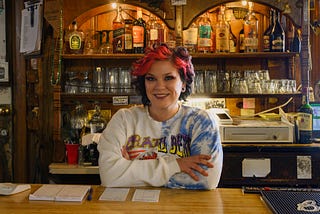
285	159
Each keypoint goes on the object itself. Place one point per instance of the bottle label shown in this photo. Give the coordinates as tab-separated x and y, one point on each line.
222	40
118	40
75	42
153	34
138	36
128	41
190	36
277	44
305	121
205	31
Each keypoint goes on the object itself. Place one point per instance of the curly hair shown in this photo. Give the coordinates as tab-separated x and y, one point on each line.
178	56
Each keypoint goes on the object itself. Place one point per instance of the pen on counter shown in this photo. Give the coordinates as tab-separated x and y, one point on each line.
89	197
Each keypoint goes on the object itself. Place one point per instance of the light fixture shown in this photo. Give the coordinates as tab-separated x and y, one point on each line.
244	2
114	5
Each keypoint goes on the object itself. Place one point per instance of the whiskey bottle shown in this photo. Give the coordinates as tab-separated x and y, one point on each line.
156	31
128	41
118	32
250	30
222	33
305	120
74	41
139	33
204	35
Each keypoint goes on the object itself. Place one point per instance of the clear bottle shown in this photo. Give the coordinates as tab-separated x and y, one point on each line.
222	32
139	33
277	36
118	32
305	120
190	37
128	41
204	35
74	40
250	30
267	32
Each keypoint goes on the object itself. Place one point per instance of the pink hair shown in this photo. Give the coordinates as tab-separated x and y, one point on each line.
160	53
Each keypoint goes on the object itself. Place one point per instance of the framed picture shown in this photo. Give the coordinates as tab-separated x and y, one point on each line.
4	74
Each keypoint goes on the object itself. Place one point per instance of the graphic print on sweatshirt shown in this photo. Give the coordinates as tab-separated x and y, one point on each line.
144	148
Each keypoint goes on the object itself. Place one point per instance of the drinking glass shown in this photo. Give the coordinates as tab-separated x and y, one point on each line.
72	84
210	81
86	84
243	87
124	79
98	79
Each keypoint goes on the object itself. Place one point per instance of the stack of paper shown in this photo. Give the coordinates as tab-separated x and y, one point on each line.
52	192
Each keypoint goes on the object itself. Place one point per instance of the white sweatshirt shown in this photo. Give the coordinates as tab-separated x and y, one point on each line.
154	147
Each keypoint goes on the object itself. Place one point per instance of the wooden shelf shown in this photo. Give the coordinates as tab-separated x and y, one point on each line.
194	55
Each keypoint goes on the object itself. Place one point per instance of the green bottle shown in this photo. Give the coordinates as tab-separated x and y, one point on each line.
305	117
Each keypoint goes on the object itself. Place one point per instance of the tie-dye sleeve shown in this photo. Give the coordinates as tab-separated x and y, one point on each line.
205	140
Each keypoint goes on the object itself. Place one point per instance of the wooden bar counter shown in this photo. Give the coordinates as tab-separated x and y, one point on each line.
221	200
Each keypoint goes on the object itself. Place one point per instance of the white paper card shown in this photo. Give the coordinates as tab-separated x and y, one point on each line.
259	167
144	195
304	167
114	194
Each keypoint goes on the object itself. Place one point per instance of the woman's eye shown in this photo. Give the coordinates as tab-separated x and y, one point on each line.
149	78
169	78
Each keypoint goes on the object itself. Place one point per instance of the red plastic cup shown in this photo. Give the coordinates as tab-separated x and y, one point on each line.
72	153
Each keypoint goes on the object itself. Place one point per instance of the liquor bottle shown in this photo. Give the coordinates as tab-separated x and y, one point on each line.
277	36
250	30
222	32
267	32
232	42
296	44
241	41
305	120
156	31
232	38
118	32
204	35
139	33
190	38
289	32
128	41
74	40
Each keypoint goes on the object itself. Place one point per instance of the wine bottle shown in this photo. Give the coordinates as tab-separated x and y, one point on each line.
277	36
118	32
139	33
204	35
296	43
267	32
222	33
250	30
305	120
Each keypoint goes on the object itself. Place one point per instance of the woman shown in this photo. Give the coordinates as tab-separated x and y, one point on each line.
161	143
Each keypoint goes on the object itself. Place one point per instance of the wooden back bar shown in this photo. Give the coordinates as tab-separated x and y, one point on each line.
171	201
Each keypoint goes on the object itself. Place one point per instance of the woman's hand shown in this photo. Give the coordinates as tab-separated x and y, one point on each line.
125	153
191	163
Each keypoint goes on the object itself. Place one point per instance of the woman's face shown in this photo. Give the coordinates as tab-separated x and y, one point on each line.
163	85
